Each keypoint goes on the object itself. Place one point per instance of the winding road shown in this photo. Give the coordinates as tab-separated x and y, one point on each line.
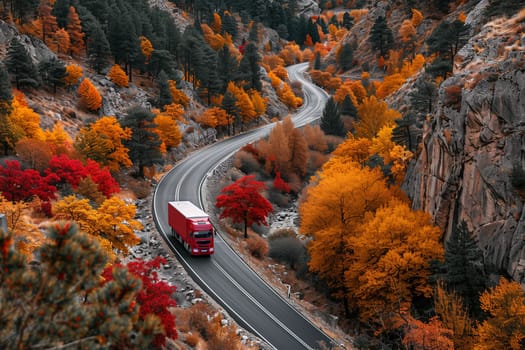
225	276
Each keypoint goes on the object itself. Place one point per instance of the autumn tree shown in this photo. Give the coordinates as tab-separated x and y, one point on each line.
62	41
431	335
36	153
146	48
89	95
373	115
144	144
58	139
118	76
49	22
505	326
73	74
17	184
69	265
102	141
393	252
242	202
168	130
154	297
74	29
331	214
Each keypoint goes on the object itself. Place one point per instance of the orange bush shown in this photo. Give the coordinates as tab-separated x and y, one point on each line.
257	246
118	76
89	95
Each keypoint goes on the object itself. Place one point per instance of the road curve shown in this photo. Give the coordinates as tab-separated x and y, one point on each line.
225	276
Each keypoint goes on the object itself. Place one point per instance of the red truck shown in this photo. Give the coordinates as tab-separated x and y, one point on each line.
191	226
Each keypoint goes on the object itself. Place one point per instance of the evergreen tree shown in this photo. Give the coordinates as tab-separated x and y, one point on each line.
348	21
144	145
6	95
346	57
348	108
24	10
249	69
165	97
253	36
229	25
60	11
464	267
423	96
446	40
313	31
407	131
162	60
228	104
317	61
98	49
226	67
19	64
381	36
53	72
331	122
59	301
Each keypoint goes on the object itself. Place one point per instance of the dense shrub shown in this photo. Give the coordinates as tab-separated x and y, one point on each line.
257	246
246	162
289	250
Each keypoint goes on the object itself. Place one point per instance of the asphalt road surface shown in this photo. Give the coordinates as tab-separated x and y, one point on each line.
224	276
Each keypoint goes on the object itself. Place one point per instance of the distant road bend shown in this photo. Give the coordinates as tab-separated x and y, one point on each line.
225	276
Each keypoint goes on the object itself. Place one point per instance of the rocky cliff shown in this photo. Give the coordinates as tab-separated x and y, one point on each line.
475	143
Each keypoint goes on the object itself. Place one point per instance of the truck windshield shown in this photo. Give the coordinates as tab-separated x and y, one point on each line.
202	234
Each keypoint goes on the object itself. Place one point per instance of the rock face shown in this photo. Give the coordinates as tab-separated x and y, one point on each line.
472	144
308	8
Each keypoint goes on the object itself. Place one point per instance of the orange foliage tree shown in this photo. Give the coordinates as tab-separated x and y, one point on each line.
74	73
417	18
427	336
89	95
331	214
118	76
102	141
178	96
373	115
168	130
505	327
58	139
393	251
62	41
48	21
146	48
74	29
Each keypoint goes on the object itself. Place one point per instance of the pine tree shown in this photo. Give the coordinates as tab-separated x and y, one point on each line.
249	69
144	145
408	131
60	11
227	67
464	267
423	96
165	97
381	36
346	57
348	21
53	72
348	108
229	105
98	49
64	302
331	122
6	95
446	40
19	64
317	61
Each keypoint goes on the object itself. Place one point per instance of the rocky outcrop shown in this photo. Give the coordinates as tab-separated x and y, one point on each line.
474	142
308	8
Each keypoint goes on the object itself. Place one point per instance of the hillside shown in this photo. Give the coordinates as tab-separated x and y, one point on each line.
406	198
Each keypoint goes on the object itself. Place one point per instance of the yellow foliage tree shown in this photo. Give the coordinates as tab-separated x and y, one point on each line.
168	130
89	95
259	102
505	327
331	214
58	139
392	153
175	111
373	115
178	96
74	73
146	48
116	223
118	76
393	252
27	236
103	140
23	121
353	149
390	84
